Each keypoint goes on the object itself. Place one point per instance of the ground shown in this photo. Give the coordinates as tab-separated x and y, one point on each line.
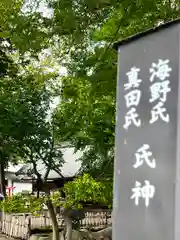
4	237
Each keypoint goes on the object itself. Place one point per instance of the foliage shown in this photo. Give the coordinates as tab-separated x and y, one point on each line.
86	116
20	105
21	28
80	35
22	204
77	26
83	189
25	98
8	11
86	189
85	120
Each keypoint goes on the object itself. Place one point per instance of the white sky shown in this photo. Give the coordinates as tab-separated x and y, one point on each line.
46	12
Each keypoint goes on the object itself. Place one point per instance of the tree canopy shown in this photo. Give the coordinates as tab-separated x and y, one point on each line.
37	39
87	111
80	35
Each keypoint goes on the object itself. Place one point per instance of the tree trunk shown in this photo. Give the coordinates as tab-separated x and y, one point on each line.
55	235
37	192
68	228
2	176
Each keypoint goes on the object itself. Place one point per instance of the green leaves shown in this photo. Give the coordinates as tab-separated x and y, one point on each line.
27	35
24	104
86	117
86	189
22	203
8	10
80	34
82	190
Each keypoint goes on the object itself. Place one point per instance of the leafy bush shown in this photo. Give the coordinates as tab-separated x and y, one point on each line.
87	189
22	204
82	189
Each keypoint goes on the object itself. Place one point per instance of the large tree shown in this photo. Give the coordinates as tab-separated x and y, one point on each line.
25	129
86	115
80	35
25	97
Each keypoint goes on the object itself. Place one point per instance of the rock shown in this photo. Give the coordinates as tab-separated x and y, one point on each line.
44	238
105	234
61	236
82	234
38	237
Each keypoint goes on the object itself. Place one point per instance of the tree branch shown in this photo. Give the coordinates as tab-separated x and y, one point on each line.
46	175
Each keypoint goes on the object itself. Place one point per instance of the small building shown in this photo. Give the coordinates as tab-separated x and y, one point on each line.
55	179
14	184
